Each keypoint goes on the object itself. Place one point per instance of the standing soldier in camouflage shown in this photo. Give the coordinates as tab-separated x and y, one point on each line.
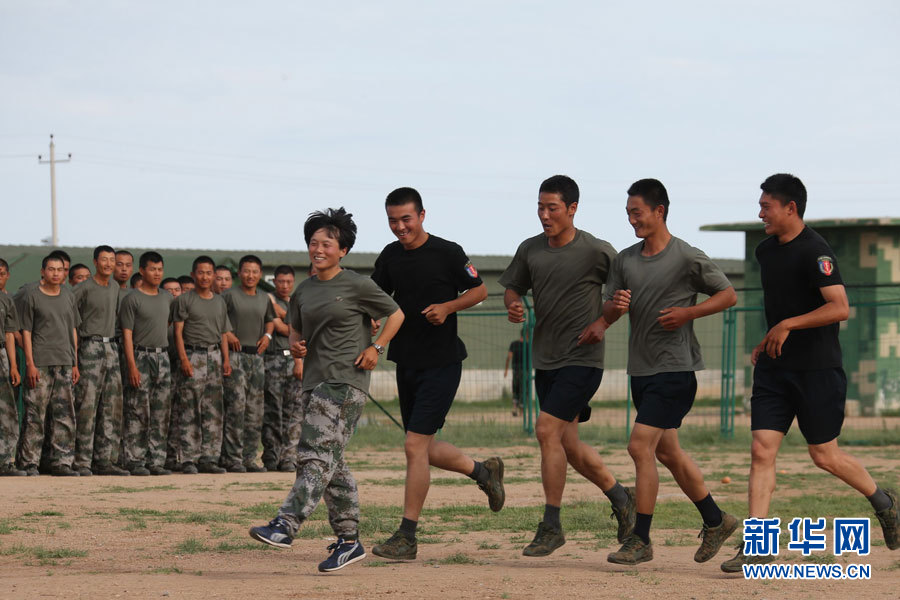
9	378
201	322
49	318
331	312
250	312
98	395
279	371
144	317
173	455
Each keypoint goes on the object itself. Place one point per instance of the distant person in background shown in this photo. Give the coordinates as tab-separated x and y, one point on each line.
124	268
4	275
187	283
171	285
223	280
78	273
134	281
514	357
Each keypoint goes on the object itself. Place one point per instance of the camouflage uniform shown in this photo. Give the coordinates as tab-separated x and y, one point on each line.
173	449
147	410
9	416
98	404
52	396
243	409
332	411
293	409
279	373
200	418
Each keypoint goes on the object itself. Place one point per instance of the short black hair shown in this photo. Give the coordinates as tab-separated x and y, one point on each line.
134	279
4	264
185	279
405	195
102	248
249	258
149	257
201	260
563	185
121	252
52	256
337	222
653	193
786	188
221	268
167	280
283	270
61	255
75	267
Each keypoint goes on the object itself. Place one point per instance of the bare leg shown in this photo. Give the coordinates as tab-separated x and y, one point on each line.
830	458
549	431
585	459
642	448
448	457
763	451
418	474
685	471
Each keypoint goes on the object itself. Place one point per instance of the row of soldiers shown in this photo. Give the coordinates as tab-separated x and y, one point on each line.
124	373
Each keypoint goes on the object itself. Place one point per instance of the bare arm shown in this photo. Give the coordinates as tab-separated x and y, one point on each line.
674	317
618	306
134	376
835	309
10	341
280	327
438	313
368	358
31	373
76	375
514	307
186	368
298	350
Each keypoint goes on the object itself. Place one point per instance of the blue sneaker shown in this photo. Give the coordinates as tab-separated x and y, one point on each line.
276	533
345	553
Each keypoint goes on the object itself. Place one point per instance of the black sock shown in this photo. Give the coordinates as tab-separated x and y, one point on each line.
479	473
617	495
408	528
350	537
551	515
879	500
710	511
642	527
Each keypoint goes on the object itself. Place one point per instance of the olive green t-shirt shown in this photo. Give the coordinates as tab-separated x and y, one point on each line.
205	321
334	318
280	343
567	285
9	316
97	306
147	317
248	314
668	279
51	321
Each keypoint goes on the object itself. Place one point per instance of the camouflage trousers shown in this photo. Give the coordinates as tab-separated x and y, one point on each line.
200	408
243	409
293	410
147	411
98	404
9	416
173	448
52	397
332	411
279	373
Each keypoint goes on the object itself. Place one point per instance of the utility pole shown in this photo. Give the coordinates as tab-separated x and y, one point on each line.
54	237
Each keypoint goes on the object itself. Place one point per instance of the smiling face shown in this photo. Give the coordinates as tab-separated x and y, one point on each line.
106	263
556	218
776	217
645	220
324	251
406	223
223	280
249	274
203	277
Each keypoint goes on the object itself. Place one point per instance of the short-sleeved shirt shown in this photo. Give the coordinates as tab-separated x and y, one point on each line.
51	321
205	320
248	314
434	273
567	285
792	277
280	343
147	316
97	305
9	316
333	317
670	278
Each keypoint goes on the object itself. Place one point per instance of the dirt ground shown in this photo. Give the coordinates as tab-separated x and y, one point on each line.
110	537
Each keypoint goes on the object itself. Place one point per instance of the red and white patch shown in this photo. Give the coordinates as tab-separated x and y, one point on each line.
471	270
826	265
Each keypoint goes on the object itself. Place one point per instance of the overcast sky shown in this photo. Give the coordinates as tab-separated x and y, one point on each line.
223	124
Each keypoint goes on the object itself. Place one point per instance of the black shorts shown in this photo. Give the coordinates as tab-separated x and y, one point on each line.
426	395
815	397
565	392
663	400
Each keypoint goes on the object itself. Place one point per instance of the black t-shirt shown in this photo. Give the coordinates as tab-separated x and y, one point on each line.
792	275
435	272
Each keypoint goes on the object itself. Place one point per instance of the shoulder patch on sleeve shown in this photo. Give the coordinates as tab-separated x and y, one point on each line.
471	270
826	265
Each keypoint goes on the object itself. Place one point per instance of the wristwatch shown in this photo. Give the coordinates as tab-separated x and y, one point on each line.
378	349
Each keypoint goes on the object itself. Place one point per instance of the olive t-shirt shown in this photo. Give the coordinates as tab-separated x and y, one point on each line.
147	317
333	317
567	286
97	306
280	343
205	321
9	316
51	321
248	314
671	278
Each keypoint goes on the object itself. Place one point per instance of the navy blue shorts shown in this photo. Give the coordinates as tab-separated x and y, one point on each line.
426	395
565	392
663	400
815	397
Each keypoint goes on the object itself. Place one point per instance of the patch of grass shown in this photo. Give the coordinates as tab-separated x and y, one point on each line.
123	489
191	546
166	570
44	513
136	523
822	559
488	546
457	558
217	531
6	526
455	481
64	525
256	486
240	546
44	556
140	512
261	510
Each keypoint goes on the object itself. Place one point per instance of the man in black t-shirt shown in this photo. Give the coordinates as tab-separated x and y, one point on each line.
425	275
514	357
798	363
